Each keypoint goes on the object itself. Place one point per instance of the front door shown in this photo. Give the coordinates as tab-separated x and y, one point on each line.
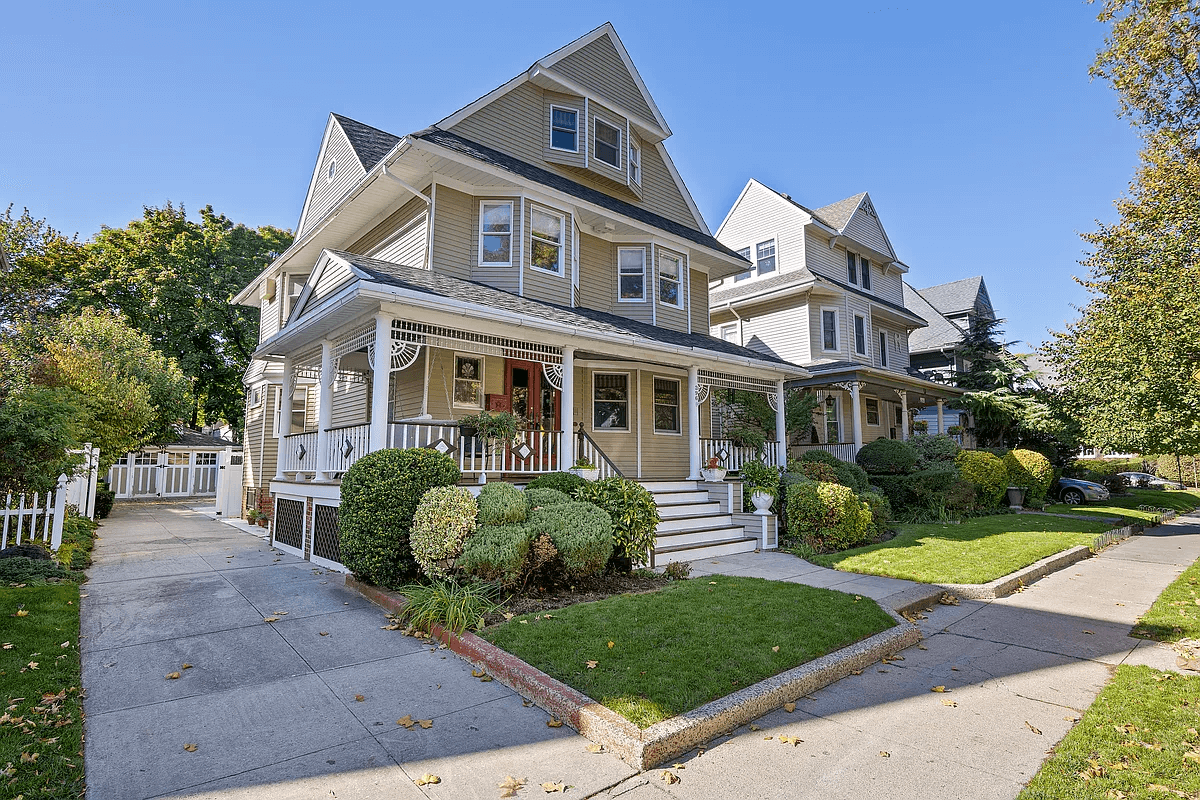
537	403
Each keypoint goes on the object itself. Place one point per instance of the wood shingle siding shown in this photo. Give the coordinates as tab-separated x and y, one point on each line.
598	67
348	170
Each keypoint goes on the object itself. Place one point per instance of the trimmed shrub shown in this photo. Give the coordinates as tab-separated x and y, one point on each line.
444	518
920	495
634	517
565	482
1030	469
105	498
852	476
497	554
827	516
933	449
380	493
814	471
501	504
582	534
540	498
887	457
821	457
881	511
987	473
22	569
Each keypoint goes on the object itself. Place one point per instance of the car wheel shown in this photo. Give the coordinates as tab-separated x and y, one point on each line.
1073	497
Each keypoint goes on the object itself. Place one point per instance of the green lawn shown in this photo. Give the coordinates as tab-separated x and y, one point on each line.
975	551
1126	507
1137	741
692	642
41	725
1175	614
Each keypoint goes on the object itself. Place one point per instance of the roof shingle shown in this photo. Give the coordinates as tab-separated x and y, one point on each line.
370	144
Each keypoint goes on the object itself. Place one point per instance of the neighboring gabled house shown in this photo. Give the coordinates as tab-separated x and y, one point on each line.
826	292
536	251
950	309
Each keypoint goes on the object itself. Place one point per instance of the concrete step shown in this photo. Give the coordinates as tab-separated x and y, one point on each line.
691	523
679	498
689	510
698	536
669	486
664	556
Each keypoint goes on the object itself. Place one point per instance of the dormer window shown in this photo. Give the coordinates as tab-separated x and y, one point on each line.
856	266
564	129
635	163
608	144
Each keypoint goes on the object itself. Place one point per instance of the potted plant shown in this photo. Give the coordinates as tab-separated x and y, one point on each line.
585	469
920	426
494	426
251	515
762	497
264	519
955	430
1016	497
713	472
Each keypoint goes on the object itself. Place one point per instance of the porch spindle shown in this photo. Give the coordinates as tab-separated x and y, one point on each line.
856	410
904	415
941	418
325	410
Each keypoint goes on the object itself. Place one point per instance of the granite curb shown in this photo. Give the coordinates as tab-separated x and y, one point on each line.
646	748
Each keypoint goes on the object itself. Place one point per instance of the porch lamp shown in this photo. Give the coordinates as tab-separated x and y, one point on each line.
829	401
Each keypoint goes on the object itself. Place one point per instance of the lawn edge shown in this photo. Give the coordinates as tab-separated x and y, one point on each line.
646	748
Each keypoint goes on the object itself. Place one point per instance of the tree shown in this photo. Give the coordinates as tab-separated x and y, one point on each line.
752	410
38	259
38	428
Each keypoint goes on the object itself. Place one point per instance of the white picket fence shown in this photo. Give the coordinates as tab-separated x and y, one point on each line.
81	487
36	517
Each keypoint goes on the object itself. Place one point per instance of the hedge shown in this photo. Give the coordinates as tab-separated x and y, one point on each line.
1029	469
988	474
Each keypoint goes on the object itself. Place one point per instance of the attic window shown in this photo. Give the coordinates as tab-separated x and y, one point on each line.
332	169
564	129
608	144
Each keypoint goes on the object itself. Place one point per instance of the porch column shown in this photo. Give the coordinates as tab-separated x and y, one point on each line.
856	410
324	410
381	378
285	415
781	422
567	401
693	393
941	423
903	415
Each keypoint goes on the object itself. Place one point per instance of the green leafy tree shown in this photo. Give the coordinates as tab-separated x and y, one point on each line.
37	259
38	426
753	410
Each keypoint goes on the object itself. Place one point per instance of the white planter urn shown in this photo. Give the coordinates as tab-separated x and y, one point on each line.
713	474
587	473
762	502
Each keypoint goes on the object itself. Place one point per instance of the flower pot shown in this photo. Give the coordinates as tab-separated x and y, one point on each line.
762	502
587	473
1016	497
713	474
262	522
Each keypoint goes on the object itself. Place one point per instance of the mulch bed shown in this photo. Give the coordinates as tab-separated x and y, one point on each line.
535	601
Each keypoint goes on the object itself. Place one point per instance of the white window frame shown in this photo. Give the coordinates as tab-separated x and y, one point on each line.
774	255
678	406
598	120
677	280
837	418
883	357
628	403
454	380
878	412
864	273
746	252
837	330
562	243
729	333
866	351
635	163
301	409
641	299
512	223
332	170
577	114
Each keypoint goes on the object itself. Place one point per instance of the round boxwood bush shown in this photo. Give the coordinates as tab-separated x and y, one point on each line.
848	474
827	516
881	510
444	518
1029	469
887	457
497	554
988	474
582	534
565	482
634	517
538	498
380	493
501	504
932	449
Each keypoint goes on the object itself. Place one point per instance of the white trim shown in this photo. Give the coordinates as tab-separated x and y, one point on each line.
678	259
653	281
878	412
577	114
628	404
454	379
866	351
313	557
642	299
458	116
678	407
633	148
329	173
597	121
562	239
512	224
316	172
883	356
837	329
432	217
574	260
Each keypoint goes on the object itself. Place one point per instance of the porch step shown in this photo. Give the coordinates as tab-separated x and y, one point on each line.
664	556
697	536
680	498
689	510
655	487
696	522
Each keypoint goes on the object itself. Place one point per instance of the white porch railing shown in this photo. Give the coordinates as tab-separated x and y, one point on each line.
299	453
407	435
34	518
347	444
736	456
586	448
845	451
530	452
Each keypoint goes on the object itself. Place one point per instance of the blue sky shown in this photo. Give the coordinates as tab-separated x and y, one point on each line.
977	132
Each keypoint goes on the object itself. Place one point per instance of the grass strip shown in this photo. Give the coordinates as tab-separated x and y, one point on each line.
1138	741
41	724
1126	507
1175	614
976	551
650	657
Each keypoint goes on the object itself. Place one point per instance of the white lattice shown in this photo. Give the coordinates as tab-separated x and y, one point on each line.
724	380
354	340
479	343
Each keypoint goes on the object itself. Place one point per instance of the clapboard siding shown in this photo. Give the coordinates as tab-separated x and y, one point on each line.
269	316
540	284
857	306
597	273
599	68
664	455
818	351
452	232
385	233
823	261
638	310
615	174
333	277
325	192
506	278
761	215
408	390
409	247
887	286
865	228
699	301
779	328
620	446
350	404
669	316
441	383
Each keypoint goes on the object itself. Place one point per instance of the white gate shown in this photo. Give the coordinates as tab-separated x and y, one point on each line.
176	474
169	473
81	486
205	473
229	483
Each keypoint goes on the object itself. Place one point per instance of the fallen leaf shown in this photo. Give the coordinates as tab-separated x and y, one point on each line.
26	758
358	698
486	679
938	689
1090	633
670	777
950	703
191	748
527	703
510	786
1035	730
856	672
554	723
324	633
712	583
789	707
407	721
554	787
172	676
775	649
792	740
595	748
524	621
921	647
611	645
7	646
948	599
427	779
33	665
508	615
22	613
768	738
270	619
477	673
186	666
884	754
65	644
592	664
425	723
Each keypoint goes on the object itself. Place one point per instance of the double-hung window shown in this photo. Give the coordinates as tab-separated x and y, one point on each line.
546	251
832	428
741	276
851	268
495	233
607	147
668	280
764	261
610	401
468	381
635	163
666	405
883	348
564	129
872	406
866	273
860	335
829	329
631	277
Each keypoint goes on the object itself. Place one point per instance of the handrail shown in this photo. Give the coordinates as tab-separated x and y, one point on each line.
595	448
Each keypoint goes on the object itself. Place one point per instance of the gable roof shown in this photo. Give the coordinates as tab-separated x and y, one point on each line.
959	296
488	155
939	334
369	144
837	215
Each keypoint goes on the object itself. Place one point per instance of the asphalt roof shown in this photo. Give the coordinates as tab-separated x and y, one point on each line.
956	296
940	332
718	296
190	437
370	144
838	214
487	155
599	322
